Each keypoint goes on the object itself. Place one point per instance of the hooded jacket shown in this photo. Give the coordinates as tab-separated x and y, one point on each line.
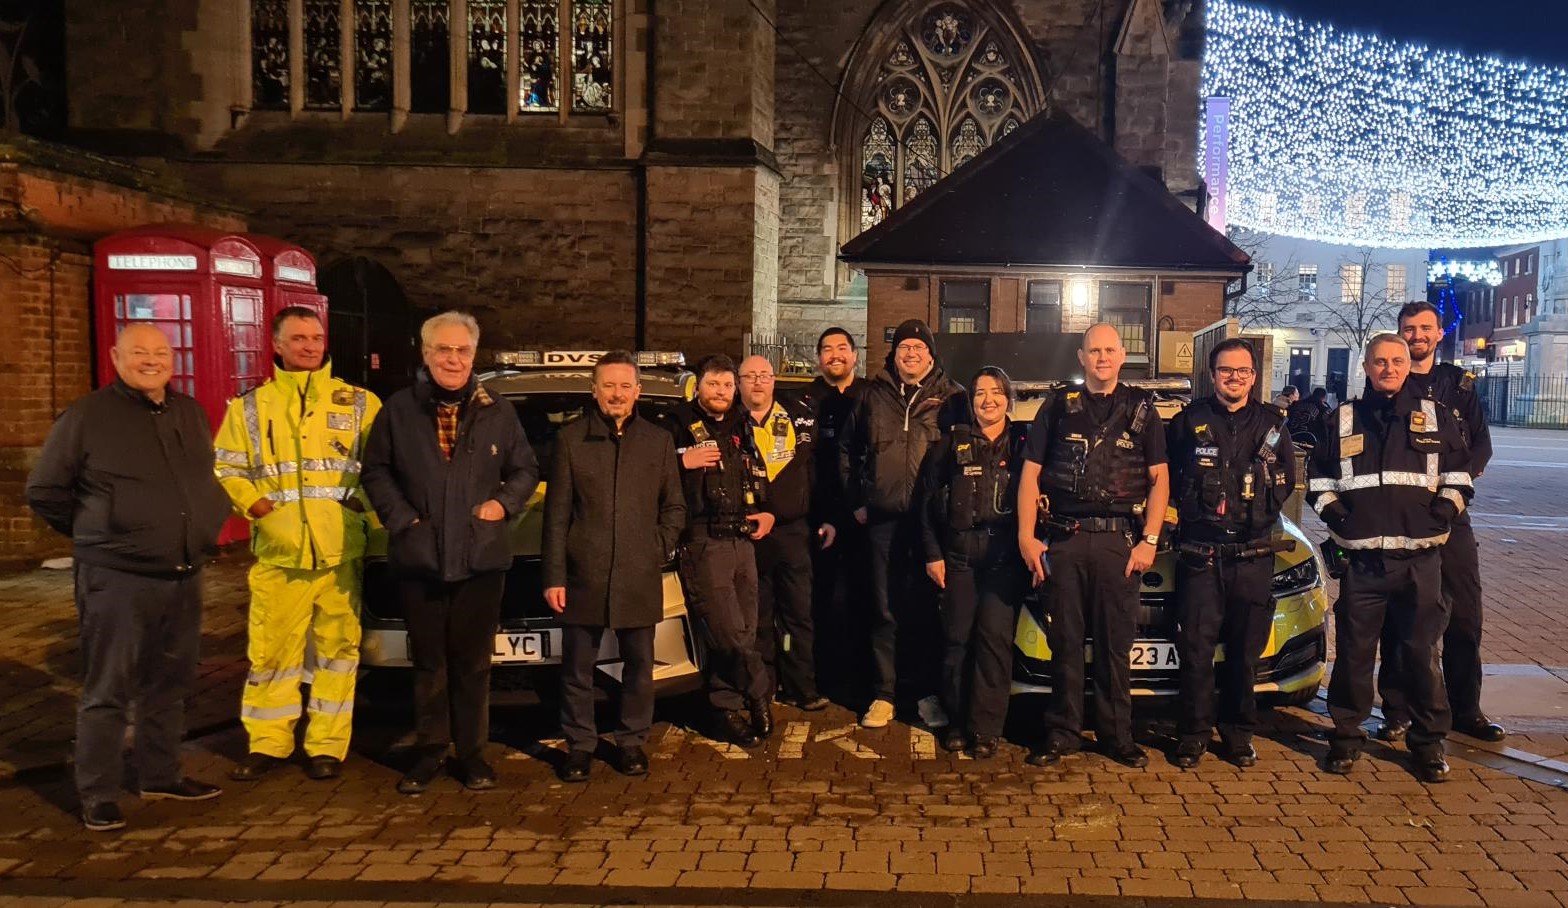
893	428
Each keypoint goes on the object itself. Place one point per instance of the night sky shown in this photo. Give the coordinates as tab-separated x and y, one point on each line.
1535	31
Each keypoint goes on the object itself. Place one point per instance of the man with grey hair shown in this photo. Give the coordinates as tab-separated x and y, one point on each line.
1389	478
447	467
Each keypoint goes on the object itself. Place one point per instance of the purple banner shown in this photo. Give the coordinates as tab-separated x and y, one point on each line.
1216	160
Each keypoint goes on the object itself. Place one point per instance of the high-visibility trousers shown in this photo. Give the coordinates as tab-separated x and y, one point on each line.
289	607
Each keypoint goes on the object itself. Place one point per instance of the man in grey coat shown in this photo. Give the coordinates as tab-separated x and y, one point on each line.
613	515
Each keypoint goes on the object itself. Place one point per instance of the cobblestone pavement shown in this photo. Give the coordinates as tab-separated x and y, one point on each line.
826	813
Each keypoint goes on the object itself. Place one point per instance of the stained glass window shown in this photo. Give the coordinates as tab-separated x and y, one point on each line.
539	41
592	67
323	54
429	56
269	54
487	56
947	90
373	54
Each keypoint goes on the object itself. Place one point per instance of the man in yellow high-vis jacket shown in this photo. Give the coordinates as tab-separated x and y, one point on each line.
288	454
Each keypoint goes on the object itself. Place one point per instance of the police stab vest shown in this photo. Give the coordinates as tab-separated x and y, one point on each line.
1236	489
1098	465
980	491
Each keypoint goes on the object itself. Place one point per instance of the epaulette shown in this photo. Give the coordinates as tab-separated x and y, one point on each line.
1468	382
1277	411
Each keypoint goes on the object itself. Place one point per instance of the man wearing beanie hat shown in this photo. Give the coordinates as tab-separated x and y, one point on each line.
901	415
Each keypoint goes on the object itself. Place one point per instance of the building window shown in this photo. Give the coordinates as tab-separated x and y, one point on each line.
487	56
1529	264
1398	281
1351	283
949	88
372	54
430	56
540	44
269	39
323	55
1265	272
966	307
1044	311
1127	307
1399	210
1529	303
1307	280
591	74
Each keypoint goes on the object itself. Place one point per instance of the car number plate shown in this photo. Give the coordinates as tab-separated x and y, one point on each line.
1150	655
528	646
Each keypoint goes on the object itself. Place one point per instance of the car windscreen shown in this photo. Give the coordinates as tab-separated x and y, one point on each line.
543	415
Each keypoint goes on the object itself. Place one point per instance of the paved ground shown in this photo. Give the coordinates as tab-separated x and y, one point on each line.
827	814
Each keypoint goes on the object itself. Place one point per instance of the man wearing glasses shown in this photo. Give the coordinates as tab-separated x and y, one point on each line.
1232	467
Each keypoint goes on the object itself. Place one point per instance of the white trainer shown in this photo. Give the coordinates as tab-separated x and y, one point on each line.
878	715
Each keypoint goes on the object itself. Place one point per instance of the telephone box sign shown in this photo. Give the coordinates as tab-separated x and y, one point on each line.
224	264
152	263
297	275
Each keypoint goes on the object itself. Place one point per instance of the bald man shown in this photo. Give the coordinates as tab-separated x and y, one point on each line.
127	473
784	431
1095	467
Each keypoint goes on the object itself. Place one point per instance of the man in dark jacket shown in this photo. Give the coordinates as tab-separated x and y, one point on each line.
447	466
839	579
613	515
901	416
783	431
720	477
127	473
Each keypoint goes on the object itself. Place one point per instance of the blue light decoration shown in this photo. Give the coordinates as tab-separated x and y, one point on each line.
1444	273
1357	139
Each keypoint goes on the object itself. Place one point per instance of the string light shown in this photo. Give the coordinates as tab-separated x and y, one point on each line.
1484	272
1356	139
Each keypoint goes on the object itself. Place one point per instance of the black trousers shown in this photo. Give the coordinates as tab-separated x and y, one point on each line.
985	586
579	654
451	637
1222	601
1461	640
140	641
1396	594
841	588
1089	595
904	628
719	576
784	628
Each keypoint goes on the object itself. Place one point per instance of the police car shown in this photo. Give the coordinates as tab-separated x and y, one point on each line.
1293	663
549	389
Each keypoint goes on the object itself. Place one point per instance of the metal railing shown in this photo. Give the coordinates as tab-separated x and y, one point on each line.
789	355
1536	401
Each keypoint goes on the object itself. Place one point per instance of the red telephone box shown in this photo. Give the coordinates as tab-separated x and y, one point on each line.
290	273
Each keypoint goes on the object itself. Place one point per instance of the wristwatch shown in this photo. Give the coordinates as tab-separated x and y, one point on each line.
1152	539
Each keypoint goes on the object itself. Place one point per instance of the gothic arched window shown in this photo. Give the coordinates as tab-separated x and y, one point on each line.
951	85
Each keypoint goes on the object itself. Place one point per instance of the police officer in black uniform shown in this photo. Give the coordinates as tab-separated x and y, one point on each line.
968	494
1452	388
840	580
724	481
1095	465
1232	467
1389	479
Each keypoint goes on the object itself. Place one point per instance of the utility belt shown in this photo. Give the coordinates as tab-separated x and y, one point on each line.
720	528
1236	551
1117	518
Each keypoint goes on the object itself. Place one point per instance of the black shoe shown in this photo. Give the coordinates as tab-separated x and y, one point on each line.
1051	754
1129	755
1430	768
953	740
254	766
105	817
1243	755
1392	730
761	718
631	761
1481	728
734	728
476	773
1189	752
423	772
324	767
813	704
1340	761
185	789
577	766
985	747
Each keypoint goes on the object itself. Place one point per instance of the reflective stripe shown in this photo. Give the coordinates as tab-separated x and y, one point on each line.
284	496
1347	427
1325	484
1455	496
252	422
320	707
1399	478
341	666
333	464
277	674
272	470
331	493
1368	481
269	713
1430	409
1406	543
1323	501
1456	479
233	473
238	458
360	403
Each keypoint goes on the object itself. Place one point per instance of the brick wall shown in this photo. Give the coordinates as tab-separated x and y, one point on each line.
714	70
1192	305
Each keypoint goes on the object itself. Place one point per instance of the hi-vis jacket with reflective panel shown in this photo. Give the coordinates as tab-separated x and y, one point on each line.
1391	475
297	440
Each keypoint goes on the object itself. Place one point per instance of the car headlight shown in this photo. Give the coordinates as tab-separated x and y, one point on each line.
1297	579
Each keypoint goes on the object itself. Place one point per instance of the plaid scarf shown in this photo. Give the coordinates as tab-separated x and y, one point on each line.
447	416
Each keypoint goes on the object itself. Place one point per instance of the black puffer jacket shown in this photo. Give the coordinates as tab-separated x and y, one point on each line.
893	428
408	479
